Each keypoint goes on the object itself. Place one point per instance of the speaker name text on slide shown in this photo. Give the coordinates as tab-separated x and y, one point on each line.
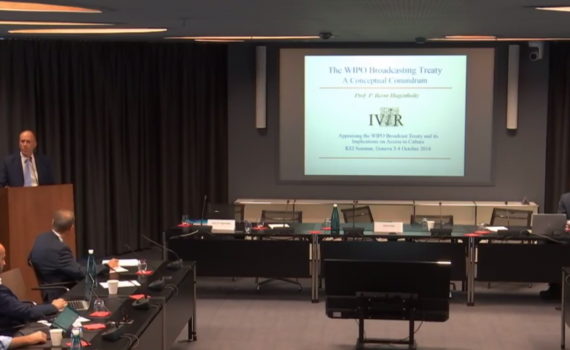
385	115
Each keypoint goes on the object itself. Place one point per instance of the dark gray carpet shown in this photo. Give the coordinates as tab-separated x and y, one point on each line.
231	315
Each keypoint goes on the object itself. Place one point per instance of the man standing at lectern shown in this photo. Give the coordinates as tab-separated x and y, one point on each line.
26	169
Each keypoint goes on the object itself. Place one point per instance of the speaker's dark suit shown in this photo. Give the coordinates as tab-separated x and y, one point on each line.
54	263
14	313
12	171
564	205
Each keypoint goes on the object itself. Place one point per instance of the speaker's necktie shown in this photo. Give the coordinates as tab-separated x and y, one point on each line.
28	173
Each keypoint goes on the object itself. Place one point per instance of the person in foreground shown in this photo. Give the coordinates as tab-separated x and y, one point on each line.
53	260
14	313
23	341
26	169
554	290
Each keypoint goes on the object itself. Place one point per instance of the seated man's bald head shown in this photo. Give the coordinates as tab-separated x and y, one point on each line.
63	221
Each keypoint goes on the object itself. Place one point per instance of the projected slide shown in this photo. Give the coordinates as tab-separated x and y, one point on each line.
385	115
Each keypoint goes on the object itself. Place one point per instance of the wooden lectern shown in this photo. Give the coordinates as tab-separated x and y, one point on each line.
25	212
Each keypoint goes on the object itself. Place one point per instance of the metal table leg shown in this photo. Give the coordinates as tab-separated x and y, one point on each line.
471	272
315	270
563	312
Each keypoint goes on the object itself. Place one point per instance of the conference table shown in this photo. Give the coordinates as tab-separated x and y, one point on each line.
171	309
300	253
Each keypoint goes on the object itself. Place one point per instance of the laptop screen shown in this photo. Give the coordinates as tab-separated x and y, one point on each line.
66	318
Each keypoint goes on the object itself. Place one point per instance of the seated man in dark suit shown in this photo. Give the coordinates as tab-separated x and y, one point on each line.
14	313
554	290
26	169
53	260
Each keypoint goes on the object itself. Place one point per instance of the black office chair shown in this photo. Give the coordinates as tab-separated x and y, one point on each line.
439	220
64	286
513	218
446	220
358	215
226	211
271	217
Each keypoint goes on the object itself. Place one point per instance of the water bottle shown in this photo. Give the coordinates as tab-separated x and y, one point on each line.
335	221
75	340
91	277
425	224
77	325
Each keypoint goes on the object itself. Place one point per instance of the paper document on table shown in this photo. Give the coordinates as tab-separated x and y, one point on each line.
119	269
82	320
125	262
272	226
122	284
496	228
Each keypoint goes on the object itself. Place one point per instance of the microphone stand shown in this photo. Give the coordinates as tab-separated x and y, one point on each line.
286	210
440	217
354	202
175	265
508	216
203	209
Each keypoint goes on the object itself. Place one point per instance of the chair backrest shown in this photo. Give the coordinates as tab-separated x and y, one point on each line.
13	279
226	211
511	217
445	219
279	217
360	214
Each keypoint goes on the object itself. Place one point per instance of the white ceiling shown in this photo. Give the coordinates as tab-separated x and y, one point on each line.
350	20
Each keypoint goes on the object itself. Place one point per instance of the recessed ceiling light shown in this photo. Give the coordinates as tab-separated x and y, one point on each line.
35	7
32	23
305	37
88	31
554	8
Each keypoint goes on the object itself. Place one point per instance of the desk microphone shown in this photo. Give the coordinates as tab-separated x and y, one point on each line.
294	201
508	218
142	303
203	209
286	210
175	265
440	217
354	203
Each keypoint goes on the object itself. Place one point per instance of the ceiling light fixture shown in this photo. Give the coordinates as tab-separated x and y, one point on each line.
470	37
197	38
460	38
554	8
88	31
220	40
36	7
33	23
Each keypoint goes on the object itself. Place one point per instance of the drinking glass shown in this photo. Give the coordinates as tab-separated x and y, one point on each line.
260	223
247	227
142	266
327	223
99	305
185	219
482	227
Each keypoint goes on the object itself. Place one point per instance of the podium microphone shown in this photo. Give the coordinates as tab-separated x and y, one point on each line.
175	265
